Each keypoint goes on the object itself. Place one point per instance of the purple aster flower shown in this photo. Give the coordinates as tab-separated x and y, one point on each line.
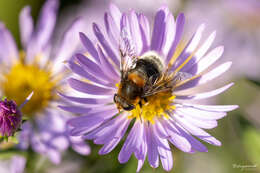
38	67
10	117
91	9
15	164
136	74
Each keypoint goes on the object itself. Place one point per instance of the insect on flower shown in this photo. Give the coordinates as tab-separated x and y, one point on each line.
132	77
142	77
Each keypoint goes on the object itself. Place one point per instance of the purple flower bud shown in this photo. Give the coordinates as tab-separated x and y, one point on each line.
10	117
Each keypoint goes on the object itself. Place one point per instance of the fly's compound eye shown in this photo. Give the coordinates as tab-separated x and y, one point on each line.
123	103
115	98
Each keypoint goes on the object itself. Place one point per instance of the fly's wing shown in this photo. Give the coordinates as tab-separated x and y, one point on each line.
181	76
127	52
164	83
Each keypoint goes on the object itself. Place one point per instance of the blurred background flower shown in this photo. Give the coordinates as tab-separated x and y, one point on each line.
237	26
38	67
236	23
15	164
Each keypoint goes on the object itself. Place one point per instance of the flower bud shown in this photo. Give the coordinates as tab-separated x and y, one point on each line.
10	117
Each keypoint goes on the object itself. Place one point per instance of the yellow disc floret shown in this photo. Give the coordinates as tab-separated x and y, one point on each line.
156	106
22	79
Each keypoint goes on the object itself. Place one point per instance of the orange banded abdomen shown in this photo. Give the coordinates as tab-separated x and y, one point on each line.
137	79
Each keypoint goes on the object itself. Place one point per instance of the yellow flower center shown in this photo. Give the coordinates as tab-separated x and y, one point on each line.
22	79
156	106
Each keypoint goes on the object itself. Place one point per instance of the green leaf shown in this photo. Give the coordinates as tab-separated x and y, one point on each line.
24	118
3	98
8	153
14	139
6	138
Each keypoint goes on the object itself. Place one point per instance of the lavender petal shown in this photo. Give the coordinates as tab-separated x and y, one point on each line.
205	94
133	142
158	35
9	52
89	46
105	44
88	88
178	33
26	25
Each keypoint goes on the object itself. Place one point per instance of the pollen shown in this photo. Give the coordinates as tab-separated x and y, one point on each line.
22	79
156	106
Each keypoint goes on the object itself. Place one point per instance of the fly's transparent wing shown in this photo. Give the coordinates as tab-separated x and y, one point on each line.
126	43
164	83
181	76
127	52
